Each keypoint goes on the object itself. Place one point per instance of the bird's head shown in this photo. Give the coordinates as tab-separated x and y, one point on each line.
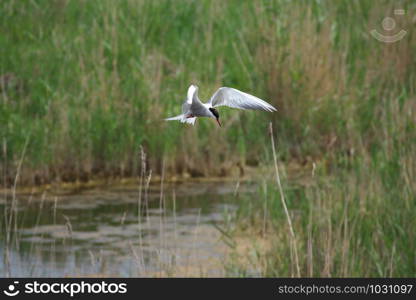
215	115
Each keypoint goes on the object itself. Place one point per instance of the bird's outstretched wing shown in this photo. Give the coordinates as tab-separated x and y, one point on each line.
197	107
186	106
237	99
192	102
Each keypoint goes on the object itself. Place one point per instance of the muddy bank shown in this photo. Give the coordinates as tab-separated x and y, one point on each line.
299	172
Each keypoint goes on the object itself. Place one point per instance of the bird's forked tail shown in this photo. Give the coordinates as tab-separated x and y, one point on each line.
183	119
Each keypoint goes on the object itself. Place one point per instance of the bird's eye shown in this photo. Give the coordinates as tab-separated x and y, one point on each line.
214	112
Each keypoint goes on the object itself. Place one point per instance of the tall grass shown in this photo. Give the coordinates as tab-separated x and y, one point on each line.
353	223
91	81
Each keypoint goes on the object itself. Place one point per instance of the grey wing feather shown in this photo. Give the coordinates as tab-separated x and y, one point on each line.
197	107
226	96
185	107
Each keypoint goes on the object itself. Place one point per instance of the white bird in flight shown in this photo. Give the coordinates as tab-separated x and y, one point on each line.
224	96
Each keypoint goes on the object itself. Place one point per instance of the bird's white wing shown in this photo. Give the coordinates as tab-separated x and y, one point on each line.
197	107
187	104
191	91
238	99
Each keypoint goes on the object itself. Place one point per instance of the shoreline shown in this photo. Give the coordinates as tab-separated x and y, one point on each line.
294	171
65	188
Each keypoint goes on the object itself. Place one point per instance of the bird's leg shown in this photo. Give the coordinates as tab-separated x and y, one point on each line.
190	116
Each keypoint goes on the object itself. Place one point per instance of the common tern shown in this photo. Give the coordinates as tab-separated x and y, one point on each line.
224	96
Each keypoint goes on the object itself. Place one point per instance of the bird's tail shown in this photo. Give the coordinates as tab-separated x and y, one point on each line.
183	119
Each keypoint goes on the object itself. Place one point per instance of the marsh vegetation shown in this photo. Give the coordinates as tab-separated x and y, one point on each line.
84	86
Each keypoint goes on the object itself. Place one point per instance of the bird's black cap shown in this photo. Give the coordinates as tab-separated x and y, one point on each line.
214	112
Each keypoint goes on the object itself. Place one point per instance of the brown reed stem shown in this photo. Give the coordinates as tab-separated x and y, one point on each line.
282	198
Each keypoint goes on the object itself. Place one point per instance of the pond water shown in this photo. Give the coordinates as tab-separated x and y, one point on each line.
119	231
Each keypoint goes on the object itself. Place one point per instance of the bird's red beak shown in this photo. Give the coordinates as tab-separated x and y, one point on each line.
218	121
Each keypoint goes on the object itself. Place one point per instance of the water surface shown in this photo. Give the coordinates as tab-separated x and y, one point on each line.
119	231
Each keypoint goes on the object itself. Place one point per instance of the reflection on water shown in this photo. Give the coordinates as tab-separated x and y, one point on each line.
100	233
